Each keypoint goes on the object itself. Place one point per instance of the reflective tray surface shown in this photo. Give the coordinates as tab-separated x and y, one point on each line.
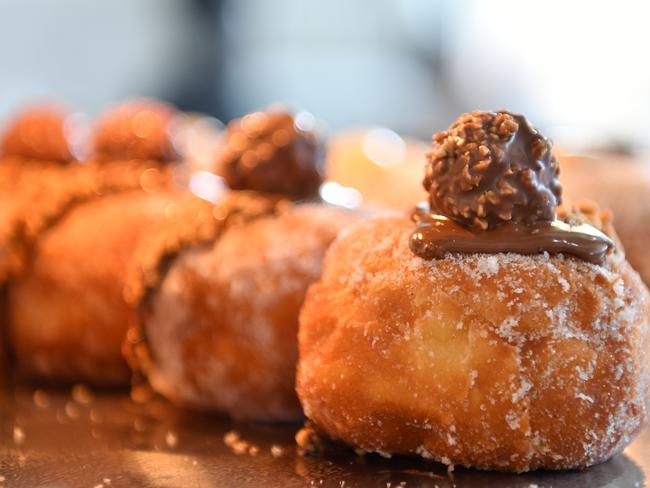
78	438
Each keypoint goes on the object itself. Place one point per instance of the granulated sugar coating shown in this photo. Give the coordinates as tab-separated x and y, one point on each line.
504	361
221	329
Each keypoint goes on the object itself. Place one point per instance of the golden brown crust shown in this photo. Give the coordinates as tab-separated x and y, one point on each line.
505	361
23	184
189	222
4	340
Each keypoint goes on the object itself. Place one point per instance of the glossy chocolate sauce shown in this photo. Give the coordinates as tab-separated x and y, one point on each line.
435	235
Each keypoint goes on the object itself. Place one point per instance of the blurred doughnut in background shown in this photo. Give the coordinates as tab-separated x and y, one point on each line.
38	145
66	313
384	167
620	183
219	283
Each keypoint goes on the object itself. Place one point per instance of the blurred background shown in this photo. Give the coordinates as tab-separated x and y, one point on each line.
579	69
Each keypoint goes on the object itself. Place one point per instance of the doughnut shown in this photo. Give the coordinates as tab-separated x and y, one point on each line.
219	286
4	342
33	184
622	185
66	314
469	336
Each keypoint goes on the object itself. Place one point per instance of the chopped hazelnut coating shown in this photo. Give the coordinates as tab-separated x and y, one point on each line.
492	167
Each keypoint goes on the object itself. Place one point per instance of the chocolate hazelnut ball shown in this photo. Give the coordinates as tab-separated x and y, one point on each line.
38	132
139	129
270	152
490	168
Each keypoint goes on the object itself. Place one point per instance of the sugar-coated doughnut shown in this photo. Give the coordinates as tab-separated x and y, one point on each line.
219	284
67	237
505	361
493	329
219	331
67	314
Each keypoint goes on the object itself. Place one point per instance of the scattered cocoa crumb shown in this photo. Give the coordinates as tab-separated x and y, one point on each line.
230	438
139	425
96	417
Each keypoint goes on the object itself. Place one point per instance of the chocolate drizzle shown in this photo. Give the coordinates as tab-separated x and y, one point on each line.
54	194
436	235
192	222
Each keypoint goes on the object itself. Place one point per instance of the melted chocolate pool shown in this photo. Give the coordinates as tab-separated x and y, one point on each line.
435	235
